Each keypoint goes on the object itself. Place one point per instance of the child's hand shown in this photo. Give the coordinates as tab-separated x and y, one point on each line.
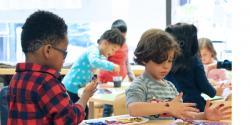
181	110
218	112
116	68
219	89
90	89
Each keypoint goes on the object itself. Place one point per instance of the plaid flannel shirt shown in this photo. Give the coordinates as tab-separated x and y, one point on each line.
36	96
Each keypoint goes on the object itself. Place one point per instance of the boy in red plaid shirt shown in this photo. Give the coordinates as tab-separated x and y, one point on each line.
35	94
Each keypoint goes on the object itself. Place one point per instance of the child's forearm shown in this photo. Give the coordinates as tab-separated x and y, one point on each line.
146	109
83	101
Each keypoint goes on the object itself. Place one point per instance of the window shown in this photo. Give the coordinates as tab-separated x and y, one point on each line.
211	17
86	19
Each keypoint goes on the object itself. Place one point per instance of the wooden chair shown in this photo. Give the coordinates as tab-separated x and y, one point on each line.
120	105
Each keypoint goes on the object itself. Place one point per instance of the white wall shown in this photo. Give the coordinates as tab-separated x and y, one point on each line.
143	15
140	15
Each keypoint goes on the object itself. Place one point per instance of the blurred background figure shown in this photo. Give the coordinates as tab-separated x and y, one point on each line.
188	73
215	70
120	57
218	72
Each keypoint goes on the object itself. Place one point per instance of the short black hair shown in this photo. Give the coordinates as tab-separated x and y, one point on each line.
186	36
113	36
153	45
120	25
40	28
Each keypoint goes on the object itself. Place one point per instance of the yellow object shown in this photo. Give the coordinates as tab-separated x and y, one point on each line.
138	72
120	105
137	69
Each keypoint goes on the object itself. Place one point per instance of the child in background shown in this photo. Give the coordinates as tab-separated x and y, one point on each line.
120	57
188	73
35	94
208	56
216	76
81	71
150	95
207	52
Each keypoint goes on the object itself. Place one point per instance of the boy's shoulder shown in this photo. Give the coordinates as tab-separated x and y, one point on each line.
36	70
138	82
141	79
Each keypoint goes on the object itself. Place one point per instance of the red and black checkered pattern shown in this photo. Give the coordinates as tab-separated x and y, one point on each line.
36	96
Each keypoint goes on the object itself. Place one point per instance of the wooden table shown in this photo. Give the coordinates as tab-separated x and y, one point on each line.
7	73
104	98
11	71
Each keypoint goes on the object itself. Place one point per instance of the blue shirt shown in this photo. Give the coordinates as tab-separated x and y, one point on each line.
192	83
81	71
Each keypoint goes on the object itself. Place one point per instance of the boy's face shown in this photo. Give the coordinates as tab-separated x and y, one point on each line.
206	56
159	71
58	54
108	48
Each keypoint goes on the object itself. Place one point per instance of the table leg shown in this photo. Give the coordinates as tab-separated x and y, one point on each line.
91	109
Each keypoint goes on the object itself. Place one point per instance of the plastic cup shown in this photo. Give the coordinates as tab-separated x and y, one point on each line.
117	80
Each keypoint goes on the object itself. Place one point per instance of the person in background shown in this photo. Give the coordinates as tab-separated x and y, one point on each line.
150	95
188	73
216	76
94	58
207	52
208	56
35	95
120	58
225	64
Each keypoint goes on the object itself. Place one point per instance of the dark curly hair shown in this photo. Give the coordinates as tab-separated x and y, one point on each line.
120	25
113	36
40	28
153	45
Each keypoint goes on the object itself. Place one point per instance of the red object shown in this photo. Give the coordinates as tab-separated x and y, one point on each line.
36	96
120	57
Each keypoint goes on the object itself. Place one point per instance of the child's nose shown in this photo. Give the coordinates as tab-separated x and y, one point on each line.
165	66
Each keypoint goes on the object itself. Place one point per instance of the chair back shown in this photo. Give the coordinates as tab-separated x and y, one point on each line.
120	105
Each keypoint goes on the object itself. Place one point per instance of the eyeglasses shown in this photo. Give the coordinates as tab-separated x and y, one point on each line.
64	52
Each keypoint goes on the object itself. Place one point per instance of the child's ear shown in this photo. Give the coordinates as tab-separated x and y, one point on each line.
47	51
